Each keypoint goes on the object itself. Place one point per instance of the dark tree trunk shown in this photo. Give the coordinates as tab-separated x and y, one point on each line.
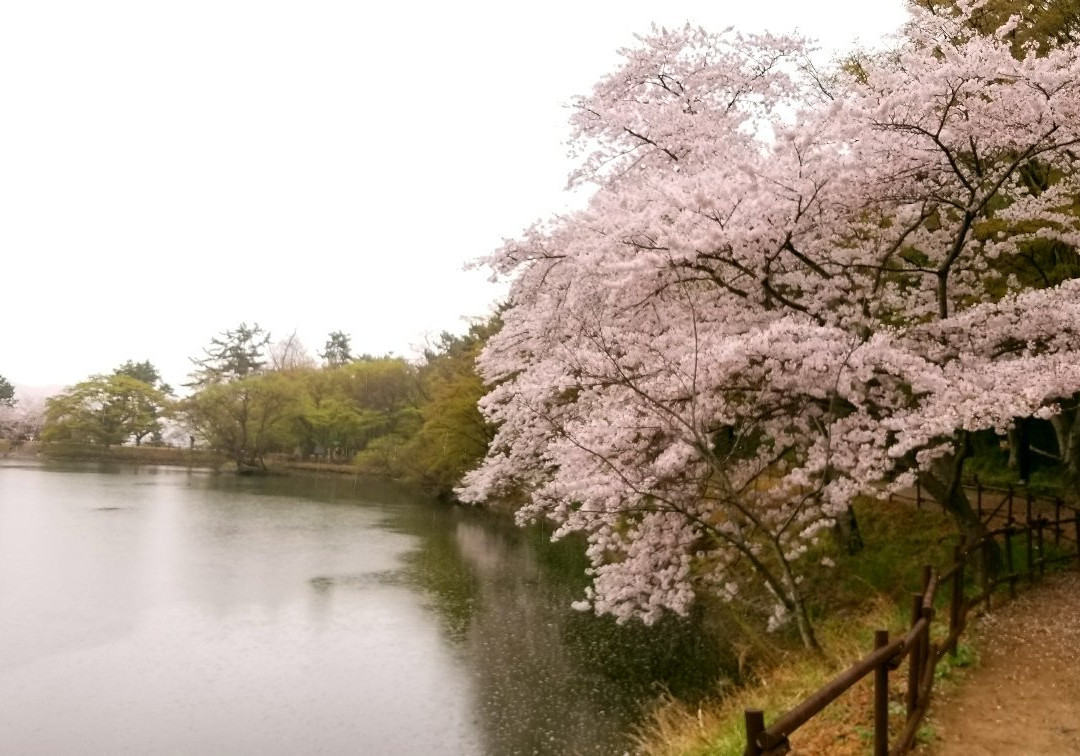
1014	448
1023	450
1067	433
943	481
847	532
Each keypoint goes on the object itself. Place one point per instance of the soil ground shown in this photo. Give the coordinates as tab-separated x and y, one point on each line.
1023	699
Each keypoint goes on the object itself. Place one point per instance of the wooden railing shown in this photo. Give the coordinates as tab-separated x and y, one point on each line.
917	645
996	503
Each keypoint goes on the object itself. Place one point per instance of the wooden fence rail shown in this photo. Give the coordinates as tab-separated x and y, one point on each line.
917	645
997	503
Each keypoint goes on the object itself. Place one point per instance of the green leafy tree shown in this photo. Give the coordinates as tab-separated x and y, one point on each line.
146	372
241	410
383	384
329	420
346	408
454	436
385	392
105	410
246	417
448	435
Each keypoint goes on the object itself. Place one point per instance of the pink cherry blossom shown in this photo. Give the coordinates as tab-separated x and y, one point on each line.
787	290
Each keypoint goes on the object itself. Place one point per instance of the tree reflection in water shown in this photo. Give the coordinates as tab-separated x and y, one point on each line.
546	678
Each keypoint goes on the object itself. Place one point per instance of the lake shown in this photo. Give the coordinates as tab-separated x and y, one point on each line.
163	610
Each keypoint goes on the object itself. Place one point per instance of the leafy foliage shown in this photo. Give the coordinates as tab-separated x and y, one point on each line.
244	417
451	435
347	407
413	422
105	410
143	371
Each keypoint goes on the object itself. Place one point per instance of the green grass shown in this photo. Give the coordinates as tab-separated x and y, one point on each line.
898	539
966	656
864	592
990	467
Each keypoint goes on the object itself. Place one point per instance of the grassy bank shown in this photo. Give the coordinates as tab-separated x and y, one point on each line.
864	592
276	464
285	464
136	455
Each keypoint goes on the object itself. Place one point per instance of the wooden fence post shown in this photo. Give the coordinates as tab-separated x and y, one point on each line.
755	725
926	653
1009	559
1057	521
978	498
1076	524
881	698
1029	538
914	662
956	602
984	546
1041	523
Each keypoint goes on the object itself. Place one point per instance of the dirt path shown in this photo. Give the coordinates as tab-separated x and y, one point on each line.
1024	698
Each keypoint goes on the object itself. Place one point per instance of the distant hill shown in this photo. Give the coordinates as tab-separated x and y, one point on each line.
35	394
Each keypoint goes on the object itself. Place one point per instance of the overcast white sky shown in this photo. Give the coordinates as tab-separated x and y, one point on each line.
170	169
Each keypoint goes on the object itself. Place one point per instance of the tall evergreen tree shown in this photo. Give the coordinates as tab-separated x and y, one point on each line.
234	354
7	393
338	350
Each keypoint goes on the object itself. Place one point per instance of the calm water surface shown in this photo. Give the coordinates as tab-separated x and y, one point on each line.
157	610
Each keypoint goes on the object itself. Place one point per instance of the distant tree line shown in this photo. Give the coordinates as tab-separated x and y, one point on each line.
250	398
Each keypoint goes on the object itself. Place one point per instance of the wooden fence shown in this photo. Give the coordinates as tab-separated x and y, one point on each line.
1013	520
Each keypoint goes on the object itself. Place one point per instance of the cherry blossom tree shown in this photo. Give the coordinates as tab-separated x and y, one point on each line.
788	289
23	420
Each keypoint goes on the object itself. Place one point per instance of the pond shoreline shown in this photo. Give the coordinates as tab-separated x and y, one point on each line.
136	455
170	456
